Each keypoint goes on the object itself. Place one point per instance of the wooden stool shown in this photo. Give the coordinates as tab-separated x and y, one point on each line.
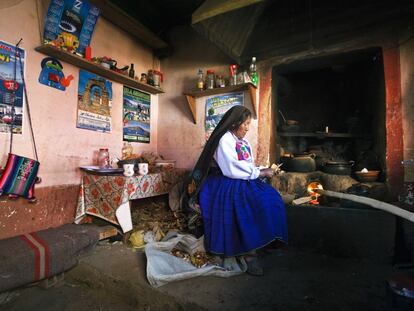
400	291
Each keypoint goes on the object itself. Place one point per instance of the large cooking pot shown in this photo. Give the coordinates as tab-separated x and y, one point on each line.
302	163
338	168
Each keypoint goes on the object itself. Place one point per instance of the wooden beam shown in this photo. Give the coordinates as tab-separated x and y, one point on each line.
126	22
211	8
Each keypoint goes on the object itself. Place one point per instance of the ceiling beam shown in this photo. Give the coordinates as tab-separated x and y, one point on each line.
211	8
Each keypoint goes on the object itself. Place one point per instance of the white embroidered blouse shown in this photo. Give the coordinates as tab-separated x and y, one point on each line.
234	156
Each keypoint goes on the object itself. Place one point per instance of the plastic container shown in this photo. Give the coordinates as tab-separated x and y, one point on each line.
103	158
220	81
210	79
200	80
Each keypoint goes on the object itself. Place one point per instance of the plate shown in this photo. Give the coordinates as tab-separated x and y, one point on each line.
100	170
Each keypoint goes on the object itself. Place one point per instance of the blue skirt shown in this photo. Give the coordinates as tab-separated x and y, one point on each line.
240	215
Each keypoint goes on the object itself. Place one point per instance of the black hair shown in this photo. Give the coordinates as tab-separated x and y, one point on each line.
246	113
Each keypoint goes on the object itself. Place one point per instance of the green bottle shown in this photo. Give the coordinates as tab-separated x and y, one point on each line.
131	72
253	71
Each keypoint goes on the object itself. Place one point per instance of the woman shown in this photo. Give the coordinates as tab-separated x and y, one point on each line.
240	212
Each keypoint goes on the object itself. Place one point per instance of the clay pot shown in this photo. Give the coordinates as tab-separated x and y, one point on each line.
338	168
302	163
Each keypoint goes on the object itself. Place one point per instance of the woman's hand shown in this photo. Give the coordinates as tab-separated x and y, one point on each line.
266	172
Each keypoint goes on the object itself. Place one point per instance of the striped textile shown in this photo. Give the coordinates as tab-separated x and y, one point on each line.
41	252
19	176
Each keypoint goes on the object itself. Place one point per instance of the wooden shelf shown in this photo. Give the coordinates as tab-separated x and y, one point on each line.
321	135
191	96
97	69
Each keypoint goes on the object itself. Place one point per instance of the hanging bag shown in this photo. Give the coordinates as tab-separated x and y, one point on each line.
20	173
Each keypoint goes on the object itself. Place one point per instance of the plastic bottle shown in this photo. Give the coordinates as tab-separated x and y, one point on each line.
210	79
253	71
103	158
200	80
233	74
131	72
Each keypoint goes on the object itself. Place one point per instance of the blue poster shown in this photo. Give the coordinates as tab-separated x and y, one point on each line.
72	22
94	102
217	106
136	116
10	90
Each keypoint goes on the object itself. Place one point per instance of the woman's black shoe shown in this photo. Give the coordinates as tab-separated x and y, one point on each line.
253	266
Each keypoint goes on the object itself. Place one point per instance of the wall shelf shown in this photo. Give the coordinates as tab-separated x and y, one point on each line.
191	96
95	68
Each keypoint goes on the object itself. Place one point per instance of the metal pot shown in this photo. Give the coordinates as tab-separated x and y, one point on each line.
338	168
299	163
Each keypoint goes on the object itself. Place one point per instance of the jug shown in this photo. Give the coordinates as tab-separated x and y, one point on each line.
157	77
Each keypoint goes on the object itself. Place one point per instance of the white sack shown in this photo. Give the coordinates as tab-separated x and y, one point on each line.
163	267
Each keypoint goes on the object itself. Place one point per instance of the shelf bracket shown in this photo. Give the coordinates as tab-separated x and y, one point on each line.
192	104
252	92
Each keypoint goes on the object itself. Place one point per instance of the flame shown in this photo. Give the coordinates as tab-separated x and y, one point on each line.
311	191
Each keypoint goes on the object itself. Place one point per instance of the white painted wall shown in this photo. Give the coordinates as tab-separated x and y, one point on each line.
178	137
61	146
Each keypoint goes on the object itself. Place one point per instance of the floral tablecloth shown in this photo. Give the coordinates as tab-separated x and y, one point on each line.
108	196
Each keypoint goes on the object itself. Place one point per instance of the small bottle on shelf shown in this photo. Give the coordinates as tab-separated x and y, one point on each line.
200	80
253	71
131	72
210	79
233	74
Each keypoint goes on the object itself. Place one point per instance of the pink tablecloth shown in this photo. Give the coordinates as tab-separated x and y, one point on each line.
108	196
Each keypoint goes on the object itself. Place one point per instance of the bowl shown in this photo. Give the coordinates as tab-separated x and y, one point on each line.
129	161
369	176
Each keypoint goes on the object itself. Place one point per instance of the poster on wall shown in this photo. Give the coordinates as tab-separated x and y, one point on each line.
94	102
70	24
217	106
8	89
136	116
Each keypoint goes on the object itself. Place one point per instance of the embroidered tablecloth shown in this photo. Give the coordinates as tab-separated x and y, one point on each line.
108	196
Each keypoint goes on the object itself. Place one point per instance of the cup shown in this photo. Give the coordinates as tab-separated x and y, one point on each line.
143	168
128	170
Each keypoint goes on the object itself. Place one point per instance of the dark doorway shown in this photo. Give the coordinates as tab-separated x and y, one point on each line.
338	103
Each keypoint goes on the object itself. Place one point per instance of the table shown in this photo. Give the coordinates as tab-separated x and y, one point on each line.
108	196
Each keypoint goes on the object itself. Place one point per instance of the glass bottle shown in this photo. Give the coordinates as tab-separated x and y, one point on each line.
233	74
131	72
200	80
103	158
253	71
210	79
220	81
150	77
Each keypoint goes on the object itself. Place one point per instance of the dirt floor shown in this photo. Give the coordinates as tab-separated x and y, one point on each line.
112	277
